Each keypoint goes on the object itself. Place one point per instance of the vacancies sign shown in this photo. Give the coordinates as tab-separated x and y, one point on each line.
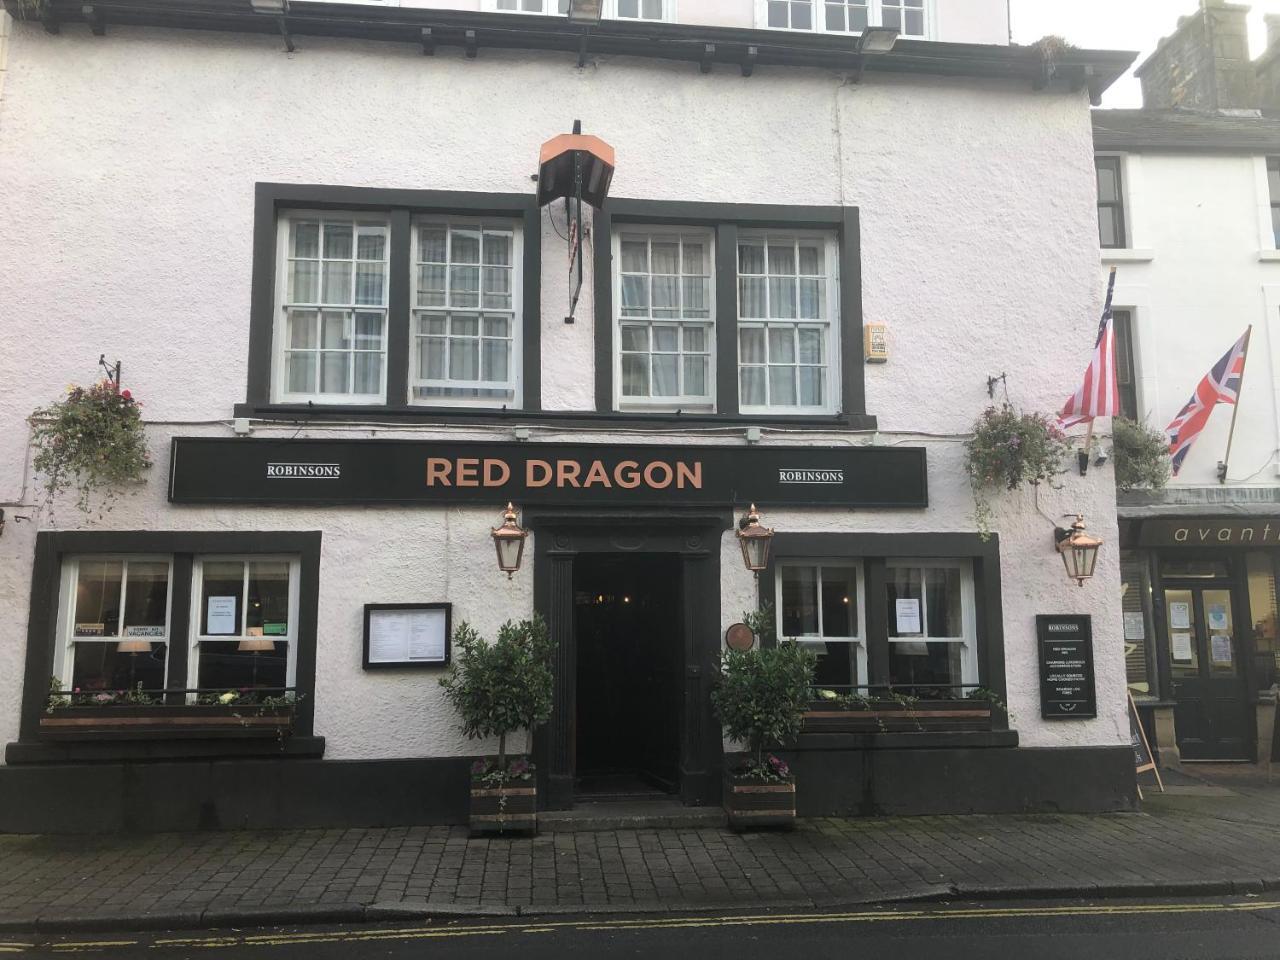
243	470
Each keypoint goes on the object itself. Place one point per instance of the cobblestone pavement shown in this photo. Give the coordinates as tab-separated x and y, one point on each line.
1191	838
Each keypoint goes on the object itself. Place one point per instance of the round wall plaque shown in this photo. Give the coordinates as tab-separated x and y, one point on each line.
739	637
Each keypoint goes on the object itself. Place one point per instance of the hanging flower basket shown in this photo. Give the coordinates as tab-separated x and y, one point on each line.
93	440
1141	456
1009	449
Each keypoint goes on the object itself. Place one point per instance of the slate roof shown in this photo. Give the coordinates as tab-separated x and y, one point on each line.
1184	130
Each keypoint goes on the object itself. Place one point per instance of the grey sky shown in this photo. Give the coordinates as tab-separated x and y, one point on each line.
1118	25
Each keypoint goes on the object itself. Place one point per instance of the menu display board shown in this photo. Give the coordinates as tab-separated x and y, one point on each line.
407	634
1066	667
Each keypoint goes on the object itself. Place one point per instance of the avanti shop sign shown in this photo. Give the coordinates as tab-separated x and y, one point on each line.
256	470
1210	532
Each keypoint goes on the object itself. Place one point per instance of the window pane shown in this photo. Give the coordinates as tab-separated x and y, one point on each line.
304	281
465	245
799	602
751	258
497	287
913	25
1107	192
431	285
812	299
695	339
635	295
811	342
903	583
751	344
1273	179
368	331
102	667
635	375
782	260
225	667
835	16
496	359
812	393
665	368
333	331
222	594
368	373
811	260
751	297
268	607
666	297
304	240
497	249
778	13
1275	225
802	15
782	298
464	359
371	245
97	608
695	376
337	241
146	597
697	302
431	358
782	386
1134	589
839	602
337	282
891	18
369	283
652	9
432	244
635	256
497	326
666	339
464	286
302	329
628	8
333	372
635	337
1107	231
665	257
753	389
942	593
464	325
300	372
782	345
837	664
931	670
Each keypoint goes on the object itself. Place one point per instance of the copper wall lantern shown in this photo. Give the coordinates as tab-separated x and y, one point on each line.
509	541
1079	550
754	540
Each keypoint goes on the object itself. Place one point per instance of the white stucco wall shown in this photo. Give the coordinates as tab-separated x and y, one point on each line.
1200	268
129	163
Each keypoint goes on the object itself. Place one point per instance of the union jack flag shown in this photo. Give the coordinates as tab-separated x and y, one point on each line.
1099	394
1220	385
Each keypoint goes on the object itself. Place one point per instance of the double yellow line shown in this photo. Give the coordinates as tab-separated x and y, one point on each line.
533	927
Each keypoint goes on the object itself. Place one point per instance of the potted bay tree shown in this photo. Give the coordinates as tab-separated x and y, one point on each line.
500	688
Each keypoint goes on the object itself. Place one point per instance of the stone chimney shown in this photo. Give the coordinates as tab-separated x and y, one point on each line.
1267	66
1204	64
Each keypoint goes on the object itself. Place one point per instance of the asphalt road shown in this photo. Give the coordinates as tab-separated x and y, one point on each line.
1239	927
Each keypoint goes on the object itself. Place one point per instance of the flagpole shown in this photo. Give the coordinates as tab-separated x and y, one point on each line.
1248	335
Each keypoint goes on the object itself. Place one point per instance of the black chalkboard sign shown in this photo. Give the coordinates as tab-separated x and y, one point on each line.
1066	667
1142	759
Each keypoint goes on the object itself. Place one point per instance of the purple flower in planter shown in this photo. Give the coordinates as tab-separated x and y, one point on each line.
779	766
518	768
479	768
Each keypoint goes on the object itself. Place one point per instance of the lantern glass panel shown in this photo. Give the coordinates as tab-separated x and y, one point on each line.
509	550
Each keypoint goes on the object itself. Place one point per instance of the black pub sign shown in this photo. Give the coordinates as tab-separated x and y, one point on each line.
1066	666
259	470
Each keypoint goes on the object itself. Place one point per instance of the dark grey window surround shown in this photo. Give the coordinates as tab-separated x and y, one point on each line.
726	219
53	547
874	549
1112	208
400	206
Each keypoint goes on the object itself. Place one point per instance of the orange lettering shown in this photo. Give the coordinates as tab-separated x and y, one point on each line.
467	470
537	473
597	475
694	475
496	473
649	472
438	471
626	474
567	473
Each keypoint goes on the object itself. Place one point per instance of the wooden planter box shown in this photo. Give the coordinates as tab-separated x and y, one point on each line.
507	809
166	722
749	802
890	717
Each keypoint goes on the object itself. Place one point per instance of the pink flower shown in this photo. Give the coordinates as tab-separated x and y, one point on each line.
126	394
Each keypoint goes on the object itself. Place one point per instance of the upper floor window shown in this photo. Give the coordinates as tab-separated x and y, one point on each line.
666	330
786	335
1273	187
1122	323
333	309
546	7
1111	228
909	17
639	9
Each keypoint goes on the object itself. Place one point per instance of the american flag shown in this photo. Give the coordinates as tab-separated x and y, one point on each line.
1099	394
1220	385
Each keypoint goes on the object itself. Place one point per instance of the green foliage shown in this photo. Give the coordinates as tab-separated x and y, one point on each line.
1140	454
1009	449
503	686
762	693
93	439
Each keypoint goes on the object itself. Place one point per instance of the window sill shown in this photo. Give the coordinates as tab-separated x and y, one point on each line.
1268	255
1127	255
558	418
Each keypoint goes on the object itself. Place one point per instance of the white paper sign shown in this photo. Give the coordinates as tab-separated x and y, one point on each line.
1220	649
1181	644
142	631
1180	616
1218	616
907	614
221	617
406	636
1135	627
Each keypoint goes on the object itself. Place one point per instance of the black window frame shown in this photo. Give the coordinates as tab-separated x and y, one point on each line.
725	220
1273	189
1115	208
1126	368
53	548
874	550
400	207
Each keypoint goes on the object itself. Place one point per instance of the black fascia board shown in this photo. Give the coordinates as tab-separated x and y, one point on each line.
1073	68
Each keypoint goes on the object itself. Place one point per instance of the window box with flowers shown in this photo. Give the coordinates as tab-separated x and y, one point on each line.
832	711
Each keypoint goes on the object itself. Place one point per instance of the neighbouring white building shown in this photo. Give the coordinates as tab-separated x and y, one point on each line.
1188	201
310	234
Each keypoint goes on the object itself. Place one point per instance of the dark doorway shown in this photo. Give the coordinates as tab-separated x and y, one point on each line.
629	675
1213	715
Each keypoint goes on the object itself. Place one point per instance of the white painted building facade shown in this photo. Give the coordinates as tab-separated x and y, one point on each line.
162	179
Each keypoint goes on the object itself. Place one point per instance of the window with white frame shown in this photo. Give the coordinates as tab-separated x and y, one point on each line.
820	605
665	326
788	309
244	623
639	9
114	625
545	7
466	313
333	309
911	18
932	628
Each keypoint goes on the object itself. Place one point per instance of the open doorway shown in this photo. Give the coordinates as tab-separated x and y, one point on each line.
629	675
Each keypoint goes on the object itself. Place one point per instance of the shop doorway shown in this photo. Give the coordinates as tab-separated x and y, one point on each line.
1213	717
630	665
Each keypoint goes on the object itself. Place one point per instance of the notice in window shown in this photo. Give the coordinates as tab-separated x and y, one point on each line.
1218	617
1180	616
1135	627
1180	647
1220	649
407	636
220	620
907	616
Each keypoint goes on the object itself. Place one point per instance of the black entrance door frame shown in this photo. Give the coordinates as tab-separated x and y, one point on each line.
694	537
